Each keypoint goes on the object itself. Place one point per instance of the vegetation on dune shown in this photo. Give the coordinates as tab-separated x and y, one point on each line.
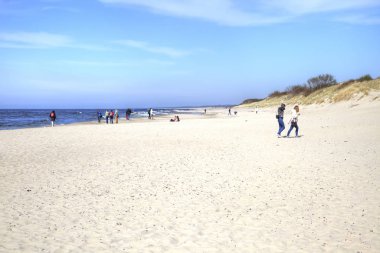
319	89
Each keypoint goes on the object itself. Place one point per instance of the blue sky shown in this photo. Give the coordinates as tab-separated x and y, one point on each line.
142	53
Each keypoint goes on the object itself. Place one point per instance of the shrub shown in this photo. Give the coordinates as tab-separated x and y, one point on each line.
320	82
277	94
364	78
251	100
346	83
298	89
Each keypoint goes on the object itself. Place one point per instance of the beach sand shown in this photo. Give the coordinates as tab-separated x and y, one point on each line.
206	184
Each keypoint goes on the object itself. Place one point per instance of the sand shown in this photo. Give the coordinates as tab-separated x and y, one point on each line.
217	183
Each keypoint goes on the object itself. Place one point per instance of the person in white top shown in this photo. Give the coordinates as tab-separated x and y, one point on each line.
294	120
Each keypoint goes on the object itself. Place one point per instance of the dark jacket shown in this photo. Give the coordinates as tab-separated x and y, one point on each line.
280	112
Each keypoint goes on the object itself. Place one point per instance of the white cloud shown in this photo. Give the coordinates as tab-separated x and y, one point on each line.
315	6
171	52
244	12
40	40
359	20
34	40
222	12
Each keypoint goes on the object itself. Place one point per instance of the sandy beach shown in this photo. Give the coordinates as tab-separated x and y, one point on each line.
206	184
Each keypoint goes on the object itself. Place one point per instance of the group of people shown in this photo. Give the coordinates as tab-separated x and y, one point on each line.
111	115
293	120
175	119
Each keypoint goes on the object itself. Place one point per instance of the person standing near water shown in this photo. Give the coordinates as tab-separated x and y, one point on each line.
151	113
117	116
128	114
111	116
107	114
99	116
229	111
52	116
280	119
294	120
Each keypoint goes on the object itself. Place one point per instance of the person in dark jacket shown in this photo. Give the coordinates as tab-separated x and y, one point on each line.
52	116
99	116
280	119
128	114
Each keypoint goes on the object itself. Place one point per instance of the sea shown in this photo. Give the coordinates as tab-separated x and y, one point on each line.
27	118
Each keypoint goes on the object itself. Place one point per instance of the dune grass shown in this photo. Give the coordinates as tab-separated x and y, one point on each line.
332	94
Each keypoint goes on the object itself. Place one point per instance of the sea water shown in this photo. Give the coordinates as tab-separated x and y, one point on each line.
26	118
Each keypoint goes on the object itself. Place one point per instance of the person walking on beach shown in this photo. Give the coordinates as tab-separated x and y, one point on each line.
52	116
111	116
294	120
257	109
280	118
149	113
107	116
205	111
117	116
229	111
99	116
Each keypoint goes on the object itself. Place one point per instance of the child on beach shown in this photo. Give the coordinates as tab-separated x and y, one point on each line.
294	120
52	118
280	119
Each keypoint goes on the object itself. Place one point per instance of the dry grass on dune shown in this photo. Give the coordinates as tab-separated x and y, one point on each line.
332	94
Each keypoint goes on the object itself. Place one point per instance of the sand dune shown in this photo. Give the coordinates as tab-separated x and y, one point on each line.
218	184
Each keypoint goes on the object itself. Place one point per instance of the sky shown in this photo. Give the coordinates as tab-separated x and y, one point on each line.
167	53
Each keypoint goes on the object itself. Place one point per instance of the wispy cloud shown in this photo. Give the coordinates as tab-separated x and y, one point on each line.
359	19
316	6
34	40
57	8
245	13
168	51
41	40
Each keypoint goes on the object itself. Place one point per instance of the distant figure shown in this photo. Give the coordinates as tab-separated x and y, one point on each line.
107	114
151	113
280	118
52	116
257	109
229	111
175	119
99	116
294	120
128	114
117	116
205	111
111	116
235	112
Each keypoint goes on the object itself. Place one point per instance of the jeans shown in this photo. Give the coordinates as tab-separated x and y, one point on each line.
281	125
293	125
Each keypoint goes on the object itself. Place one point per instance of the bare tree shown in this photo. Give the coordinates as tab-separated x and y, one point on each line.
321	81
